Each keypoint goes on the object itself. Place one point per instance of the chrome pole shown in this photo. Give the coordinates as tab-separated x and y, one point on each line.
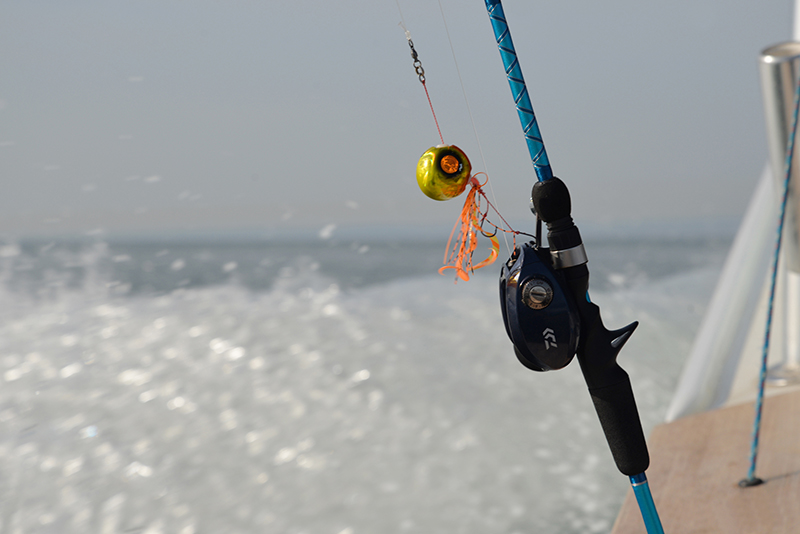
779	66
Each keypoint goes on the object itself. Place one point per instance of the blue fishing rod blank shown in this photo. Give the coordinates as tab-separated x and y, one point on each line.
541	165
641	489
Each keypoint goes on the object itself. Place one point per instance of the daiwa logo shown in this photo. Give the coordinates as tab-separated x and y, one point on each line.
549	339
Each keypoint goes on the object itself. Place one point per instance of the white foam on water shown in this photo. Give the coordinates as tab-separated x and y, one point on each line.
310	409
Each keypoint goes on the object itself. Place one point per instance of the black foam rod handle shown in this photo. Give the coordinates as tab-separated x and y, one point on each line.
616	408
610	388
609	384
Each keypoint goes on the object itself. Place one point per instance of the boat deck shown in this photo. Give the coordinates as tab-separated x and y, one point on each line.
697	462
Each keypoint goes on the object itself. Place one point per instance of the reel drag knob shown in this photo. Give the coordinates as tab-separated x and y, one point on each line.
537	293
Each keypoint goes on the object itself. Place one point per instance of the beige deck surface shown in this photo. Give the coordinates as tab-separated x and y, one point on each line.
696	463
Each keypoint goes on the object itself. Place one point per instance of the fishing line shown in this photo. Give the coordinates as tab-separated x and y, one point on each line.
752	479
402	19
469	111
419	69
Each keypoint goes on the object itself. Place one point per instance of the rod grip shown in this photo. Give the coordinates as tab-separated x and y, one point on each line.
616	408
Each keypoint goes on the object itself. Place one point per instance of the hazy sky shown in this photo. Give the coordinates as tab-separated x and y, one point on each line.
167	115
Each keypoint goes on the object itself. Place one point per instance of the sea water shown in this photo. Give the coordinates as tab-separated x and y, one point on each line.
319	387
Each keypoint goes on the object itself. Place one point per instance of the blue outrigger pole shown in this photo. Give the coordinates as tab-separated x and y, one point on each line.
545	301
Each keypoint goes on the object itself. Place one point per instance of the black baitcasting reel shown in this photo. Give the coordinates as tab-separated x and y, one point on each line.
540	319
549	318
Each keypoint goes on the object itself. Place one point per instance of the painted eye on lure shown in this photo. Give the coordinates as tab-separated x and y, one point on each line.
443	172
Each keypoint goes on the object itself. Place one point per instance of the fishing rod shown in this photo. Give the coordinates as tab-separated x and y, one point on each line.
545	300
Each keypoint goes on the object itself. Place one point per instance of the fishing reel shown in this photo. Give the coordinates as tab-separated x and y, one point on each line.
540	319
539	311
548	316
